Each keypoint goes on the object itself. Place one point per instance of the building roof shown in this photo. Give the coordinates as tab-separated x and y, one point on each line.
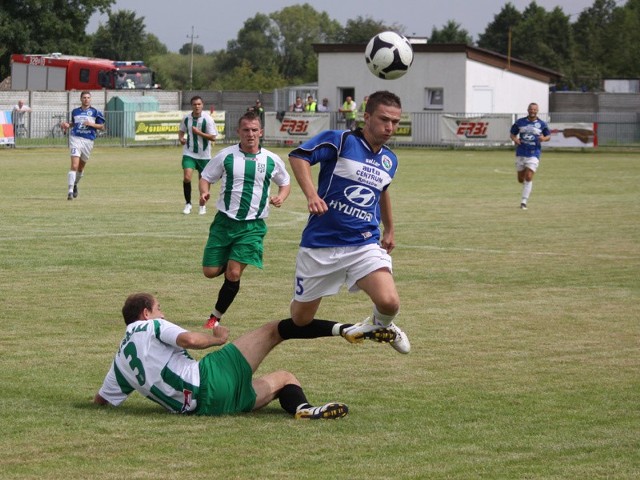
472	53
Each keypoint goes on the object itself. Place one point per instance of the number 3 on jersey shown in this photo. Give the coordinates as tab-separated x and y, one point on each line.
135	363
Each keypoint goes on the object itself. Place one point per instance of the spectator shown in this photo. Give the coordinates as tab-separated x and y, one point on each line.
18	117
298	106
349	110
324	106
311	105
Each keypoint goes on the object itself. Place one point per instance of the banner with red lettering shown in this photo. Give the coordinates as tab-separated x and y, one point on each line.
480	130
293	128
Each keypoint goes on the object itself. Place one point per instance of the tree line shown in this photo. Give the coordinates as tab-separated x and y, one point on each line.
275	50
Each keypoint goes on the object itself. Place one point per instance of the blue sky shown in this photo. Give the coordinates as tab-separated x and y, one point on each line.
215	23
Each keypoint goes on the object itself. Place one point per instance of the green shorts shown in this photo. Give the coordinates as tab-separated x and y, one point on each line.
194	163
230	239
225	383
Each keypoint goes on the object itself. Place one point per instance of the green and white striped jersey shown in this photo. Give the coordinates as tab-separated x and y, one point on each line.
150	362
245	179
196	146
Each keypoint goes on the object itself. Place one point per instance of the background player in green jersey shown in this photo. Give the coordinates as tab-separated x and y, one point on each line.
196	134
245	172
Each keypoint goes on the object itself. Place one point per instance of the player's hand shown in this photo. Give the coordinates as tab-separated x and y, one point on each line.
276	201
388	243
221	333
317	206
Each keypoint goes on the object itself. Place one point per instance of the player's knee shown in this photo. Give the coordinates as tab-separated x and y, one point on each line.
211	272
389	305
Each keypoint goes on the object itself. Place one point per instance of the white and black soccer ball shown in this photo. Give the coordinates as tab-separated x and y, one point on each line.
388	55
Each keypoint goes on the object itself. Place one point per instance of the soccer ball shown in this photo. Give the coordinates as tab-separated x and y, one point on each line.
388	55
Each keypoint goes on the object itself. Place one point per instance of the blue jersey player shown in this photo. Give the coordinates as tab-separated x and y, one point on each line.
85	123
528	133
342	242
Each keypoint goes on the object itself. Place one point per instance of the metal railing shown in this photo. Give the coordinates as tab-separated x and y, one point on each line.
41	128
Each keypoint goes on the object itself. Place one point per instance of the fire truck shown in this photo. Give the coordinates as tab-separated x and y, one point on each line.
55	71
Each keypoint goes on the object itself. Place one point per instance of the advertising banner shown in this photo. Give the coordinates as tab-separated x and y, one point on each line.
7	136
164	125
293	128
583	135
403	133
476	130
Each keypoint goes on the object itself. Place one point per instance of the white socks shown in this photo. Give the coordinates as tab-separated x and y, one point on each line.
381	318
73	178
526	191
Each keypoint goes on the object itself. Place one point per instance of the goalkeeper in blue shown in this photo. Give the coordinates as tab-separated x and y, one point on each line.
342	242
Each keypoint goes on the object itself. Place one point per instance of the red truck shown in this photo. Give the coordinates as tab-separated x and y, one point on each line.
55	71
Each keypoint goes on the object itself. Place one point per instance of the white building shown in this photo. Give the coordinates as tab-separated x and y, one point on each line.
448	78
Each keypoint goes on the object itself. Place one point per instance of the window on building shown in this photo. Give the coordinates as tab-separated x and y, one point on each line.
434	99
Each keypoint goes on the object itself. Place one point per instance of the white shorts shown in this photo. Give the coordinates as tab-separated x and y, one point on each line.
322	271
527	162
80	147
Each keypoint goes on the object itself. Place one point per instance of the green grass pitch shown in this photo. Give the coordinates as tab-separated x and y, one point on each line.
524	325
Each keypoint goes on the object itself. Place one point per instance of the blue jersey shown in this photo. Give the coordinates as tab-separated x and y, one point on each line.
79	116
529	132
351	180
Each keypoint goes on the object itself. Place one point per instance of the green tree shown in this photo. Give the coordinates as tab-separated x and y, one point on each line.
44	26
245	77
622	40
451	32
299	27
173	71
361	29
186	49
256	44
543	38
496	35
536	36
153	46
122	38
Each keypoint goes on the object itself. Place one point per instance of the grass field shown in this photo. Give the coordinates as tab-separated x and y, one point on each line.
524	325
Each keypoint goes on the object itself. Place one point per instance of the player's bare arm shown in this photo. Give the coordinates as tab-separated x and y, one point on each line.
283	193
204	187
200	341
388	235
302	171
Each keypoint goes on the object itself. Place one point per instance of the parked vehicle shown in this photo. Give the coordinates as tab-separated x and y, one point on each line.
54	72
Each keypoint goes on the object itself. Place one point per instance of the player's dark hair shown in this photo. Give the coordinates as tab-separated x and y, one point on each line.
250	115
382	97
195	97
134	305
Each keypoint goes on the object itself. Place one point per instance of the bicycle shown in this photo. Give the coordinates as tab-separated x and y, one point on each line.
57	131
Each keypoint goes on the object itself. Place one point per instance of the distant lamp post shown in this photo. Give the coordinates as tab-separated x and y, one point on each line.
191	65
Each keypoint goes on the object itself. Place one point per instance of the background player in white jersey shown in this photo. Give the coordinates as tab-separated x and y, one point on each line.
245	172
197	133
152	359
85	123
527	133
342	242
